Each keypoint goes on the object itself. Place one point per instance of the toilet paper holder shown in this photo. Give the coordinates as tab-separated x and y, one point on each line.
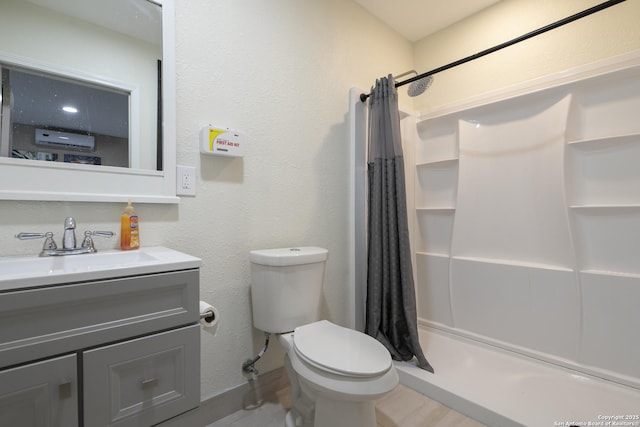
208	315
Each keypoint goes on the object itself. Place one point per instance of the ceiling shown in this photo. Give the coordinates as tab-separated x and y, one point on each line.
416	19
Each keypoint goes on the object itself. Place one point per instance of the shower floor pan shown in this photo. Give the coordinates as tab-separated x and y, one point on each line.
503	388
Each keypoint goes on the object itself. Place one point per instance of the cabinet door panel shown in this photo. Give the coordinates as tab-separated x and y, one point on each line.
40	394
143	381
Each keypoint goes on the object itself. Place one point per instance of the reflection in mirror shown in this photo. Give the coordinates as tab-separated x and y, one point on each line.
101	58
55	119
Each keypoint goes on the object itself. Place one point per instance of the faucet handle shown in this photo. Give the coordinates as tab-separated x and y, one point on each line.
29	236
102	233
88	241
48	239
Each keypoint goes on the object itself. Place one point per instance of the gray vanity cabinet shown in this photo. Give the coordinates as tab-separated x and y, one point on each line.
117	352
40	394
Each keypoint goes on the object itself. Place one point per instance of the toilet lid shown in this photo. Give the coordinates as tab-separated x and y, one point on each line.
342	350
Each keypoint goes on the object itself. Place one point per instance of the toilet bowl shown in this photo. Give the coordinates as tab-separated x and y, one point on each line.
336	373
341	370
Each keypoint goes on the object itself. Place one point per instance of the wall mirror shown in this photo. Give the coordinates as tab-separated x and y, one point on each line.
88	100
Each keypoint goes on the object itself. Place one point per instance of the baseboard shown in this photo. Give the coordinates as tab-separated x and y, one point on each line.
243	396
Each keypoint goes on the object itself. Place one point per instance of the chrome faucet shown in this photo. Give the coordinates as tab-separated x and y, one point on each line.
68	240
69	236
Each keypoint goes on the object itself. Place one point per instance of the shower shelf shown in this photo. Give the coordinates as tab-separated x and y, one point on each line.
513	263
603	172
611	273
433	254
436	209
599	141
441	162
613	206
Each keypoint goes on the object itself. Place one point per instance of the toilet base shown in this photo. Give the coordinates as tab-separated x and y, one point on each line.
334	413
343	413
290	419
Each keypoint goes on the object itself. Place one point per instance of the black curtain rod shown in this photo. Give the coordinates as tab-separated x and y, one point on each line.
579	15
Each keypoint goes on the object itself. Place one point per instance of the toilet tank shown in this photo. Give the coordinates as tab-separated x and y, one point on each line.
286	287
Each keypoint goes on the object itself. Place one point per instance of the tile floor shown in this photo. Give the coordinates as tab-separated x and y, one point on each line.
401	408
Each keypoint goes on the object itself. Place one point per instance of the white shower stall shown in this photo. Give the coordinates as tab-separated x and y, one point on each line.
524	208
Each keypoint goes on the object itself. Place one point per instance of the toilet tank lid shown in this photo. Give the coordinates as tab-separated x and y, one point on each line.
288	256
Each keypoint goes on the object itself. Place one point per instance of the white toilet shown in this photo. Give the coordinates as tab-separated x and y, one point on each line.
335	373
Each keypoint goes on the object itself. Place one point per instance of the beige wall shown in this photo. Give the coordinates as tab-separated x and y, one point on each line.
280	72
611	32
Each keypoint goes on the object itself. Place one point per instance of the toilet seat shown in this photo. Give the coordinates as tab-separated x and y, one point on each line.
330	382
340	350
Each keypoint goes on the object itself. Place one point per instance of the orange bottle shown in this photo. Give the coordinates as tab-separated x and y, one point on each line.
129	231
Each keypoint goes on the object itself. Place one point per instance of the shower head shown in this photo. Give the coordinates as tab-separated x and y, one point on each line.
419	86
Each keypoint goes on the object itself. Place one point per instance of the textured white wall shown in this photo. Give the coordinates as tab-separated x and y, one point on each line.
279	71
611	32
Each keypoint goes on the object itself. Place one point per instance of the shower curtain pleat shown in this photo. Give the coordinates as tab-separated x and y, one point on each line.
391	315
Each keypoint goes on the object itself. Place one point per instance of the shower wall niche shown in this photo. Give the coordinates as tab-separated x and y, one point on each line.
526	232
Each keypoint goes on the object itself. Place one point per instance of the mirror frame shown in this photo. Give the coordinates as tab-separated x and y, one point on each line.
22	179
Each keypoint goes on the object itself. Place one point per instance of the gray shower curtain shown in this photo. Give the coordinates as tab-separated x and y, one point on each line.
391	315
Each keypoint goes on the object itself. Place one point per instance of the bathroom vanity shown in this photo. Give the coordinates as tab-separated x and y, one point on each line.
99	339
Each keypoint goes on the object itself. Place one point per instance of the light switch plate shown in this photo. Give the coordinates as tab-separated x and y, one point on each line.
185	181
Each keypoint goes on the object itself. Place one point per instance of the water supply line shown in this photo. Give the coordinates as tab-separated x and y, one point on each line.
248	367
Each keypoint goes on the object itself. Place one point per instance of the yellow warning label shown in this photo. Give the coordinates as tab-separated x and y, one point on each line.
213	134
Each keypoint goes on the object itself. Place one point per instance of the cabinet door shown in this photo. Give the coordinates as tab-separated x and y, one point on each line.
143	381
40	394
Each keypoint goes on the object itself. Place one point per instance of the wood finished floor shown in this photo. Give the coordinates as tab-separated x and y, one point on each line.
402	407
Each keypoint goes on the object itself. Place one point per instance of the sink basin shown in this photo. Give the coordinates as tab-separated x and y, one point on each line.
25	272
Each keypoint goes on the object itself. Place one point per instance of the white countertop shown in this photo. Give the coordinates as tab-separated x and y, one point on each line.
31	271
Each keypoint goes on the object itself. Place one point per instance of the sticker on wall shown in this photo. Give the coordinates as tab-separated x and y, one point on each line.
221	141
